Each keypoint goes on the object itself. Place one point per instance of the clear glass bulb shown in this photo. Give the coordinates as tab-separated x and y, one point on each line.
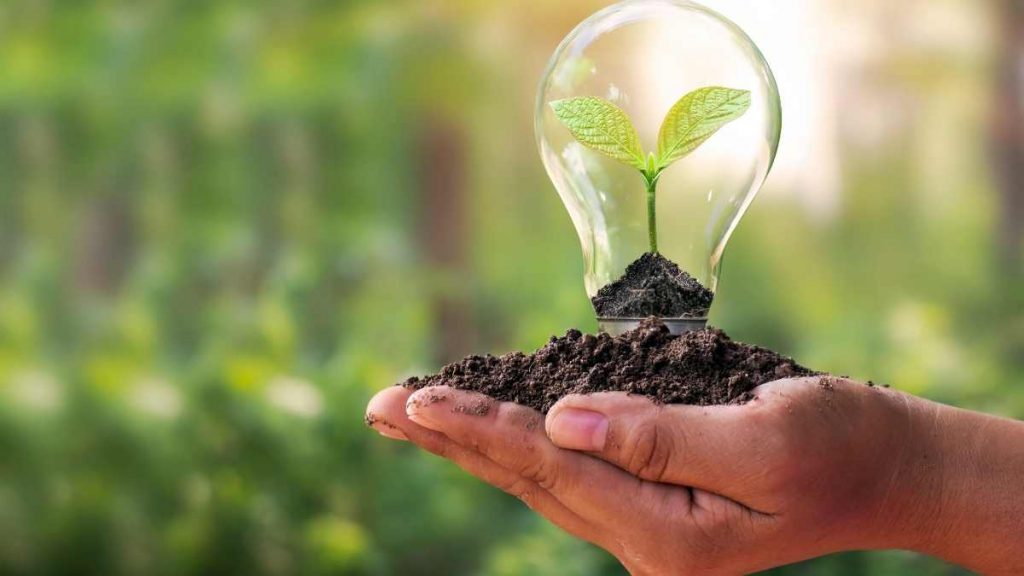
643	56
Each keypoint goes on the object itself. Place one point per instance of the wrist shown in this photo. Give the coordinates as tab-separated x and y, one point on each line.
963	475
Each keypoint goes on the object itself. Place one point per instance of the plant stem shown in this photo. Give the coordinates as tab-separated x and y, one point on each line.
652	219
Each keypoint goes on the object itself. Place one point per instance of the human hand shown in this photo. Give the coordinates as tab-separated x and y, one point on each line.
812	466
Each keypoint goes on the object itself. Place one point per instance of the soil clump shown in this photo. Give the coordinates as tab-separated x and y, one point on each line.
703	367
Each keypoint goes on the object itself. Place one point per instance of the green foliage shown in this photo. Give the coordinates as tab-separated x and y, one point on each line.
695	118
602	126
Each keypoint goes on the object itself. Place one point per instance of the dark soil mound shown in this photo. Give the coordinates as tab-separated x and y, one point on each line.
653	286
702	368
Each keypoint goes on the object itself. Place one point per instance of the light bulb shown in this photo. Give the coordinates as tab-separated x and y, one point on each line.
642	57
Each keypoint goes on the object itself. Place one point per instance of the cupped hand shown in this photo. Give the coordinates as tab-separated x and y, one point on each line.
810	466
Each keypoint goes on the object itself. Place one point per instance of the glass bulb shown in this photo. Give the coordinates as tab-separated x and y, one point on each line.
643	56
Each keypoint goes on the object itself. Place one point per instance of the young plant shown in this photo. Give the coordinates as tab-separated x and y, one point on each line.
602	126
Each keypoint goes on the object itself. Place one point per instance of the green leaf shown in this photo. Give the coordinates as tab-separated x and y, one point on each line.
600	125
695	118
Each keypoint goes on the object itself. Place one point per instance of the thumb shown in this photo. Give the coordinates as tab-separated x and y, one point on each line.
715	448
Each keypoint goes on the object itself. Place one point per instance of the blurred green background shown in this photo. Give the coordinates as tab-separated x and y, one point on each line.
225	225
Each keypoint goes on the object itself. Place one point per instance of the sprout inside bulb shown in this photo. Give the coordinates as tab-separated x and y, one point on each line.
708	153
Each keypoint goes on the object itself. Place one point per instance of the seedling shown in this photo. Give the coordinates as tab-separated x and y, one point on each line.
602	126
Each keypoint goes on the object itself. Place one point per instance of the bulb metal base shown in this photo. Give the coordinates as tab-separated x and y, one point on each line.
676	326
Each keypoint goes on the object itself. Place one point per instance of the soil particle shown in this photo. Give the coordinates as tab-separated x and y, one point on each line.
828	383
372	420
700	368
653	286
427	400
481	408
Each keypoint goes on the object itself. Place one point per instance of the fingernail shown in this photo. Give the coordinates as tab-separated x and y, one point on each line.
578	429
418	406
383	428
391	432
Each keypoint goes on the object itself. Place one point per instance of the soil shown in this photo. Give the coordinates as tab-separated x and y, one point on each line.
653	286
702	368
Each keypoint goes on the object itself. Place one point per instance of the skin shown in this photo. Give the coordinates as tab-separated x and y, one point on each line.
810	467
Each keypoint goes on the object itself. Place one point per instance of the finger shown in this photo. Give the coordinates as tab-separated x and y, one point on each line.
513	437
718	449
379	406
386	414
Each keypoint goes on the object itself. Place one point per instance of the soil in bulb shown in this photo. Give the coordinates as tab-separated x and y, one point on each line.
653	286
